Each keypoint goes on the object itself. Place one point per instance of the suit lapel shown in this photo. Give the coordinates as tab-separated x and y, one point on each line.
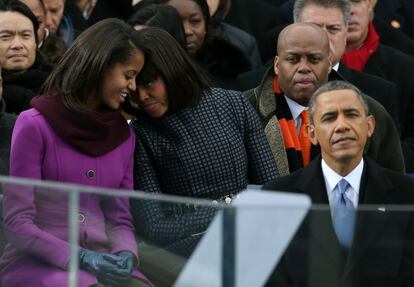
375	187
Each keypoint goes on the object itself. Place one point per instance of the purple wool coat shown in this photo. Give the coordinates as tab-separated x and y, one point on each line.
36	221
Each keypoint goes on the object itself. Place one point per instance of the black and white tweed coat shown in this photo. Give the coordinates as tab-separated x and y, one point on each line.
209	151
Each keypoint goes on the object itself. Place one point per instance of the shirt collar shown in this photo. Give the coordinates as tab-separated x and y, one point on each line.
336	67
332	178
295	108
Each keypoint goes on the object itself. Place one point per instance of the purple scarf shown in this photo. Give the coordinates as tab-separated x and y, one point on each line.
91	133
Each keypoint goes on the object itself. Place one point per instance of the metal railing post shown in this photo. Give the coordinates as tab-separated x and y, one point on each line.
229	248
73	237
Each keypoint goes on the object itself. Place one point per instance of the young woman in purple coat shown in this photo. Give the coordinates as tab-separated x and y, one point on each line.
75	133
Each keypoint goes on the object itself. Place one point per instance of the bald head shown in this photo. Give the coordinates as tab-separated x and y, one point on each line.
295	34
303	62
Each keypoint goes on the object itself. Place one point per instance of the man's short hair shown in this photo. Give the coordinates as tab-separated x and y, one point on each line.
336	86
20	7
343	5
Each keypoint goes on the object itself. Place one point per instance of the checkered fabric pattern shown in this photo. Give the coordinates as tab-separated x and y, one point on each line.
209	151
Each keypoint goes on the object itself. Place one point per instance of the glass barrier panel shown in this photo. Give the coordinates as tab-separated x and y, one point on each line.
69	235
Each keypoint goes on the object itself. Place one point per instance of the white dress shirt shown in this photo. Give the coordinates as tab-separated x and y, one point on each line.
295	109
332	179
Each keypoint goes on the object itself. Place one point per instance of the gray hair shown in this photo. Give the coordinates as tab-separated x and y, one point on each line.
336	86
343	5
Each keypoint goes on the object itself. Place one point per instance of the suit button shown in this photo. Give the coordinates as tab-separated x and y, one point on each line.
81	217
395	24
90	174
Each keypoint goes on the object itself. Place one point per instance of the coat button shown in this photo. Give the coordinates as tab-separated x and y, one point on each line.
81	217
395	24
90	174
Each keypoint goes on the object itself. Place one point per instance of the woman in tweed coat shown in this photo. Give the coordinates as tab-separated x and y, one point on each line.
192	141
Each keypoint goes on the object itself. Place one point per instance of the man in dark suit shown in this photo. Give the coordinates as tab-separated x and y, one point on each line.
374	247
366	54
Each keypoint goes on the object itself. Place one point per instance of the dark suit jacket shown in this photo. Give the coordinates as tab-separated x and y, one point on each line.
399	10
393	37
397	67
6	128
383	248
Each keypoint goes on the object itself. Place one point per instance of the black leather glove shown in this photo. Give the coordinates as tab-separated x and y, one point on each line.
127	261
97	263
122	275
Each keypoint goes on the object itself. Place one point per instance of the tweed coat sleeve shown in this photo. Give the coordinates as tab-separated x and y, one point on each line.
261	165
19	201
151	220
119	225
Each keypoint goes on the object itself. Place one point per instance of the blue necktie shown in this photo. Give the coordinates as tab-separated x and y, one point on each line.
344	215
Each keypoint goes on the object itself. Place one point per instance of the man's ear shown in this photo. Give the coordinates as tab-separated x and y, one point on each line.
372	4
276	65
371	125
330	60
312	134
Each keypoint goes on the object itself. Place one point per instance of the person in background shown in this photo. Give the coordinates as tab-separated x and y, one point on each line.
365	53
162	16
238	37
24	69
75	134
209	47
51	46
95	10
6	127
38	9
64	19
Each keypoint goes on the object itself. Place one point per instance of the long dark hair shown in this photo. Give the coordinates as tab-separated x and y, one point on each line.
185	84
78	74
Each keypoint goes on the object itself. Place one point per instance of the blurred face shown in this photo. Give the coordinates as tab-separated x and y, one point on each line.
193	22
303	63
358	24
332	21
17	42
118	82
341	127
54	14
40	14
153	98
213	6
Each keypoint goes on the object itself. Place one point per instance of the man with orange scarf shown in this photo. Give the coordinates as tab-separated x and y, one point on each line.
366	54
303	64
